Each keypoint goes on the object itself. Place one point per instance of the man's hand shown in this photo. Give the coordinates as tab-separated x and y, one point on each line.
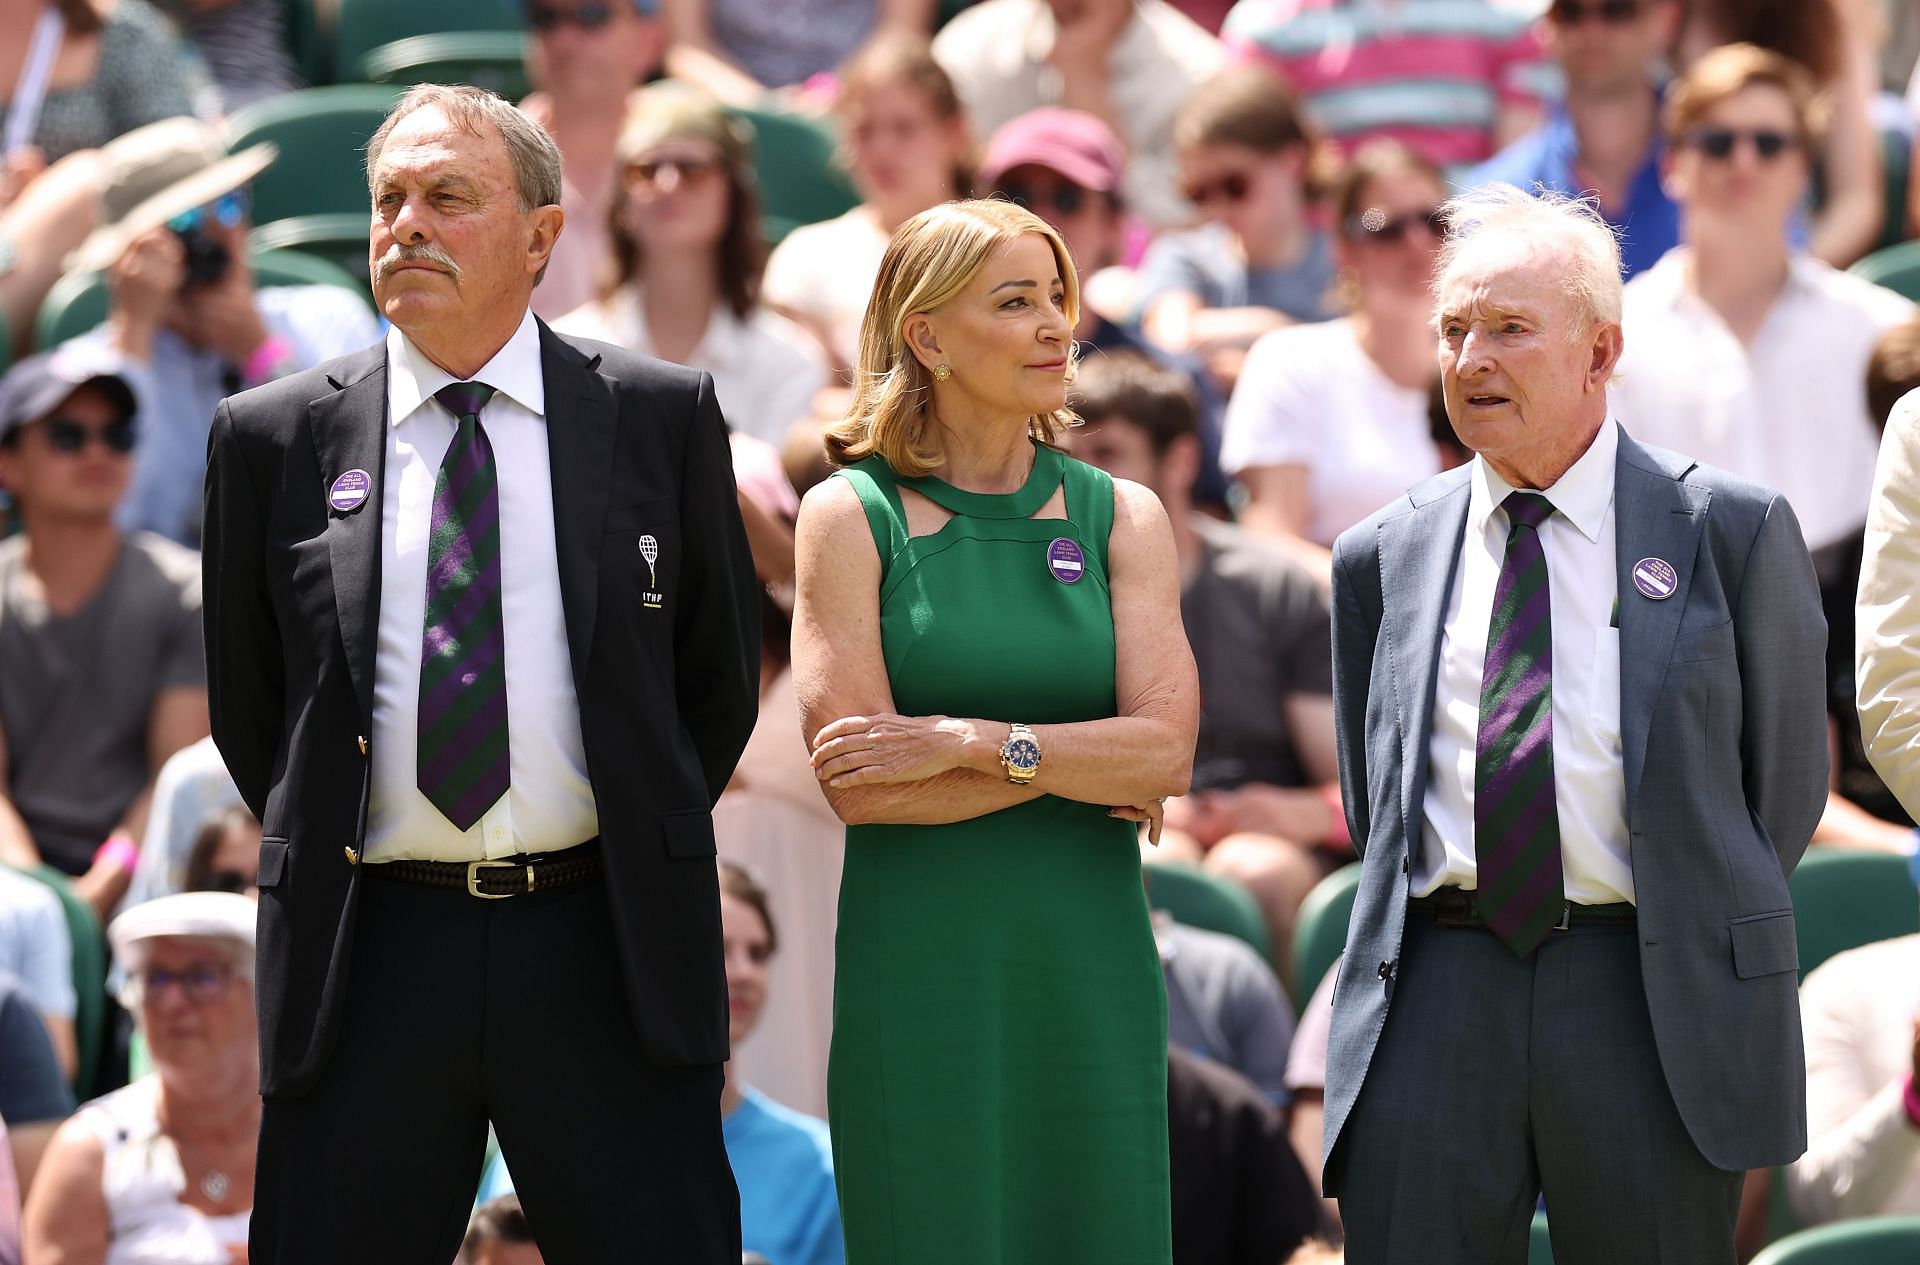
145	283
222	317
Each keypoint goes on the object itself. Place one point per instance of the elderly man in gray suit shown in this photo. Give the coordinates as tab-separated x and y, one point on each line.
1578	692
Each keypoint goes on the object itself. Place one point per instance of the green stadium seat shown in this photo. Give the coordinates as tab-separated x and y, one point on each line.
360	26
1539	1244
78	302
1896	168
306	40
338	238
1198	899
89	980
1895	267
495	60
1868	1241
1843	899
800	182
1320	932
322	134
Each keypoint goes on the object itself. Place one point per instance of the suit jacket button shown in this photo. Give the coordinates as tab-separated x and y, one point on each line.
1386	969
363	744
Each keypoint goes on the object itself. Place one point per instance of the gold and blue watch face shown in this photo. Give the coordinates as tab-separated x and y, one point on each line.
1023	753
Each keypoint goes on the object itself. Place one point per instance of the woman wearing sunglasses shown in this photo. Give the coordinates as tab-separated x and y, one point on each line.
1329	421
687	259
1248	161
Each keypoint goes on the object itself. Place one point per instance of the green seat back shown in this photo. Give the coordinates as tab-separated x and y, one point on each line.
322	134
360	26
305	39
495	60
1198	899
1320	931
1895	267
338	238
89	980
78	302
1539	1244
1842	900
1868	1241
800	182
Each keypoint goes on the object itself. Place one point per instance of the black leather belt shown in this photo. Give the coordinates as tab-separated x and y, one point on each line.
1457	907
497	880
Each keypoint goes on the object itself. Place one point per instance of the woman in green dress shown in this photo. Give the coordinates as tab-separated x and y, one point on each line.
996	688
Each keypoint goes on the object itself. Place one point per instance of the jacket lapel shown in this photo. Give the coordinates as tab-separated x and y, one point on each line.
580	431
1656	515
349	430
1419	553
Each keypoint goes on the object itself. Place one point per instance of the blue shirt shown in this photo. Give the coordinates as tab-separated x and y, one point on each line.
1649	221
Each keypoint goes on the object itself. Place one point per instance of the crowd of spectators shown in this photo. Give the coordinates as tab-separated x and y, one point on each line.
1251	192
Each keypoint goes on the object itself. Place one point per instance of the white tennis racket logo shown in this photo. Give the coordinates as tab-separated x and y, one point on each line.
650	550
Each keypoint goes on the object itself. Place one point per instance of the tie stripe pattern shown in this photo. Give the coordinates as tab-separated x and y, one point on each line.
1515	819
463	766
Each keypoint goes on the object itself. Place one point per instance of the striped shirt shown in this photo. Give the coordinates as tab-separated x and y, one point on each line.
1431	73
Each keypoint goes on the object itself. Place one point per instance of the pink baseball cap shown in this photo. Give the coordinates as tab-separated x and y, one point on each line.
1071	142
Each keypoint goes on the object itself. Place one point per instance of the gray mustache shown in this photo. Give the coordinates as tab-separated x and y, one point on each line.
400	255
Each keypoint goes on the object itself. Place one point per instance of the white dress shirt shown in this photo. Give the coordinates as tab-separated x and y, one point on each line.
549	801
1590	789
1789	410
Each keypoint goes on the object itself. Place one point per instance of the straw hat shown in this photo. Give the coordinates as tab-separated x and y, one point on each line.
155	173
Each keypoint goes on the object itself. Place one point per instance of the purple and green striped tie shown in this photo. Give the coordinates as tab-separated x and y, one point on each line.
463	684
1516	823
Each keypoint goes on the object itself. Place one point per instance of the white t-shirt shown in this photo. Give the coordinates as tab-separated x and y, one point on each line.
1308	396
824	273
1789	411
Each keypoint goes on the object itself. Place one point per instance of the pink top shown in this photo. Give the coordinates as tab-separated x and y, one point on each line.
9	1204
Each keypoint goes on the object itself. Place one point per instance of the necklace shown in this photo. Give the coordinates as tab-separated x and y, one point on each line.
215	1185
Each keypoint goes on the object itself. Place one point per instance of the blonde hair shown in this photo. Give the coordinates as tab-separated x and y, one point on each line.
930	260
1549	221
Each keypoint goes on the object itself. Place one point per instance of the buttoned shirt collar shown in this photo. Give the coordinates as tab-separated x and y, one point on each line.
1582	495
513	372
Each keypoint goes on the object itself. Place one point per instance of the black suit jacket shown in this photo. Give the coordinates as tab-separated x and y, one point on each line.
667	696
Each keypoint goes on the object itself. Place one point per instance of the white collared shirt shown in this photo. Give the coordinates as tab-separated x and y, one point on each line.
549	803
1789	411
1590	789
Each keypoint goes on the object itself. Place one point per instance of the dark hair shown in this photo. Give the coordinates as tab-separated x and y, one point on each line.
81	16
1810	32
896	57
1731	69
738	882
206	842
499	1220
1893	369
1128	386
1250	106
1375	160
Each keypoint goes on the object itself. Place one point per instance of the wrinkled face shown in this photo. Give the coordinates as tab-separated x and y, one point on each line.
677	196
1610	46
69	464
1517	355
195	1006
1005	336
1088	221
901	149
1242	188
1743	161
586	50
1393	242
748	951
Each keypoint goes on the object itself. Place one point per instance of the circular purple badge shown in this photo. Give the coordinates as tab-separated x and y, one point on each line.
349	491
1655	577
1066	561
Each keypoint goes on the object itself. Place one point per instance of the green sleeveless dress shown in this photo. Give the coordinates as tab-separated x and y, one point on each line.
998	1084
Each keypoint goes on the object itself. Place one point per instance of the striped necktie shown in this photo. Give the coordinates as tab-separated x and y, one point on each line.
463	686
1516	823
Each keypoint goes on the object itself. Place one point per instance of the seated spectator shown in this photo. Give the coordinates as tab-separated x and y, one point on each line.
1329	421
1247	160
1131	63
1603	137
499	1235
226	854
34	1095
584	58
192	786
1860	1013
1307	1083
1455	79
36	949
161	1172
1828	40
739	50
185	314
687	262
81	73
1224	1004
102	671
242	43
1264	797
1239	1196
906	147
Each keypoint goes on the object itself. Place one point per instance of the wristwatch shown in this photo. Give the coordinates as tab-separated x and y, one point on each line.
1020	755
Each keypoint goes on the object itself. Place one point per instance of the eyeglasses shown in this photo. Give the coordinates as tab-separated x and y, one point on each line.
1718	143
687	170
588	17
1061	199
64	435
1375	225
1612	12
228	210
1233	187
201	983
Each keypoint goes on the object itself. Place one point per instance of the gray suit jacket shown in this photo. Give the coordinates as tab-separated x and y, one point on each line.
1723	735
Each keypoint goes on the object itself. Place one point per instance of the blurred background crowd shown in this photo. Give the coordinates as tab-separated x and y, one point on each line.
1251	191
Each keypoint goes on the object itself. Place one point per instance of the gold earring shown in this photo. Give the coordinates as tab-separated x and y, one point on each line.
942	372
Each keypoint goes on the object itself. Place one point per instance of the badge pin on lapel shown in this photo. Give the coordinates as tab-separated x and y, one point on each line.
349	492
650	551
1655	578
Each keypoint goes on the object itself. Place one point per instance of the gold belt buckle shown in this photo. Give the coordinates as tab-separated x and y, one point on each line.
473	879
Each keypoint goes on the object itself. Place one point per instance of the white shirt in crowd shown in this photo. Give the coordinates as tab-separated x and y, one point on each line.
549	804
1789	411
1590	788
823	274
766	370
1309	396
1863	1152
141	1181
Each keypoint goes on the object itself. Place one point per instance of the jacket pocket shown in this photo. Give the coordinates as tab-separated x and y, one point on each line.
689	834
273	862
1693	645
1764	944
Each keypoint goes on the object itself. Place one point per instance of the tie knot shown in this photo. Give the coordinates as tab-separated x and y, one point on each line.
1529	508
464	399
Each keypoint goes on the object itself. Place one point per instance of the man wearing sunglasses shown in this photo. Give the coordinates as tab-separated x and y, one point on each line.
1603	137
101	669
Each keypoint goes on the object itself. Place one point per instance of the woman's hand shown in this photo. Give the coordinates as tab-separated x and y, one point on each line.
1153	813
885	747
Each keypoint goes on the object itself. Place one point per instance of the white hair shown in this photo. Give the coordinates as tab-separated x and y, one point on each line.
1549	222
